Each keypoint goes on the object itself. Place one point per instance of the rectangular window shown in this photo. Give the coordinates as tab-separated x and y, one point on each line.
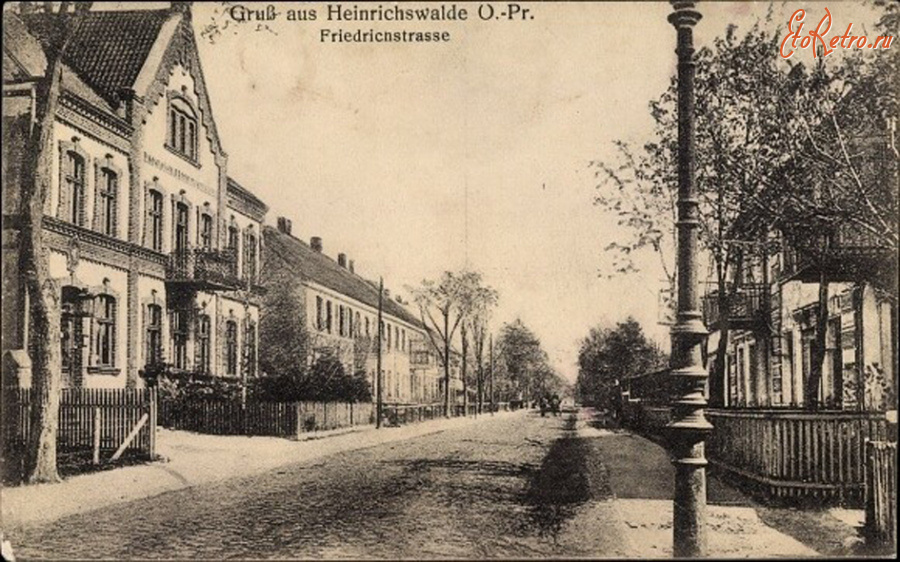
250	257
204	349
231	348
320	319
105	350
328	316
250	346
74	185
341	321
155	219
388	338
106	199
181	227
154	334
179	339
206	231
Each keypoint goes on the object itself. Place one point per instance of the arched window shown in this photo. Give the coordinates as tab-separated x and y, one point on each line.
105	335
182	128
231	348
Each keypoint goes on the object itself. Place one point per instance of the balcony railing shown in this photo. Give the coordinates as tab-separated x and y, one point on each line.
745	308
203	268
841	253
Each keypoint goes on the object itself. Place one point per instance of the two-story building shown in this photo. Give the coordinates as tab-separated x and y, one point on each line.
339	310
772	320
155	249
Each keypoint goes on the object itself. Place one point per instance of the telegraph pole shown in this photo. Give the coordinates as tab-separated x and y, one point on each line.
689	427
379	382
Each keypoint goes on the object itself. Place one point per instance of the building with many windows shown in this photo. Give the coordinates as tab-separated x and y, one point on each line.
156	250
772	320
340	310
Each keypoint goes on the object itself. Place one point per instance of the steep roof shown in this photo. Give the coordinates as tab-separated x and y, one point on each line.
110	47
319	268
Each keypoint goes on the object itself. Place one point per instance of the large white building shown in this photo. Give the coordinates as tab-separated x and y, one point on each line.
155	249
340	310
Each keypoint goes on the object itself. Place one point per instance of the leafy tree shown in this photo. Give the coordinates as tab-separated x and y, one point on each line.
771	156
608	356
523	367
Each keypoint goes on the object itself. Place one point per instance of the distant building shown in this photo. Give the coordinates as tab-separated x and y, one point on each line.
156	250
340	310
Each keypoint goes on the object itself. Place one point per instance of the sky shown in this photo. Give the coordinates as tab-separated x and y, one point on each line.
415	159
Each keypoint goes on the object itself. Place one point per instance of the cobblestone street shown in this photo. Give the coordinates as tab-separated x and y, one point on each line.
514	486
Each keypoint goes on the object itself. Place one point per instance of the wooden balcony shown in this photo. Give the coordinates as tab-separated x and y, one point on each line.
746	309
843	253
203	269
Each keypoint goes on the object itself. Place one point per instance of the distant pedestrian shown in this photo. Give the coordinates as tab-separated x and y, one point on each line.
554	404
543	405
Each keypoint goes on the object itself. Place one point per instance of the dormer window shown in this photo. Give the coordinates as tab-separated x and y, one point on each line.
182	128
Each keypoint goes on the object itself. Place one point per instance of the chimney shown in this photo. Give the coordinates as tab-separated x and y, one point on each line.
350	266
342	260
316	244
284	225
387	293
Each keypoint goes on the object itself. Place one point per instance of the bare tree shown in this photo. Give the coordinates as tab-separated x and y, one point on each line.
443	305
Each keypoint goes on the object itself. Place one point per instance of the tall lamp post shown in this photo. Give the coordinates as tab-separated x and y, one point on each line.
689	425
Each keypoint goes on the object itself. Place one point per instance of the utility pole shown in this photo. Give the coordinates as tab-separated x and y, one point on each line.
379	383
689	427
491	355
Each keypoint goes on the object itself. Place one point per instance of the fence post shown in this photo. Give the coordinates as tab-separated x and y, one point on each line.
96	435
154	413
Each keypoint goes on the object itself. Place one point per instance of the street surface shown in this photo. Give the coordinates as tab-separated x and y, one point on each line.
518	486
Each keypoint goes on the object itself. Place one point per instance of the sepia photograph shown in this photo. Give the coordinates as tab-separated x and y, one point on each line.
449	280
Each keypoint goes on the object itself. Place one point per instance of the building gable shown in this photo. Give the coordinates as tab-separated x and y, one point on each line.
176	46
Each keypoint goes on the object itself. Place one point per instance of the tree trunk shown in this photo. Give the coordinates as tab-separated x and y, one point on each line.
43	292
465	383
446	365
817	359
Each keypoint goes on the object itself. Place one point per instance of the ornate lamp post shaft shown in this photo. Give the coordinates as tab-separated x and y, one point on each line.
689	426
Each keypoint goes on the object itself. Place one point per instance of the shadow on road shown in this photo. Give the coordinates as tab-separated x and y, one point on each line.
569	476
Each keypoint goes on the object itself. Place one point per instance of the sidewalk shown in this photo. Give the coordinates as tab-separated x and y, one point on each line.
191	459
738	527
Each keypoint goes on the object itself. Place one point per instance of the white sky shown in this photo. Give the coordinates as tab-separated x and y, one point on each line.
371	147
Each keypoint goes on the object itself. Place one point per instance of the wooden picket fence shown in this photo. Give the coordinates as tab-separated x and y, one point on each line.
290	419
277	419
794	453
881	493
102	423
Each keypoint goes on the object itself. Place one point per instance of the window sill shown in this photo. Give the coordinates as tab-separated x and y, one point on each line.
109	371
183	156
